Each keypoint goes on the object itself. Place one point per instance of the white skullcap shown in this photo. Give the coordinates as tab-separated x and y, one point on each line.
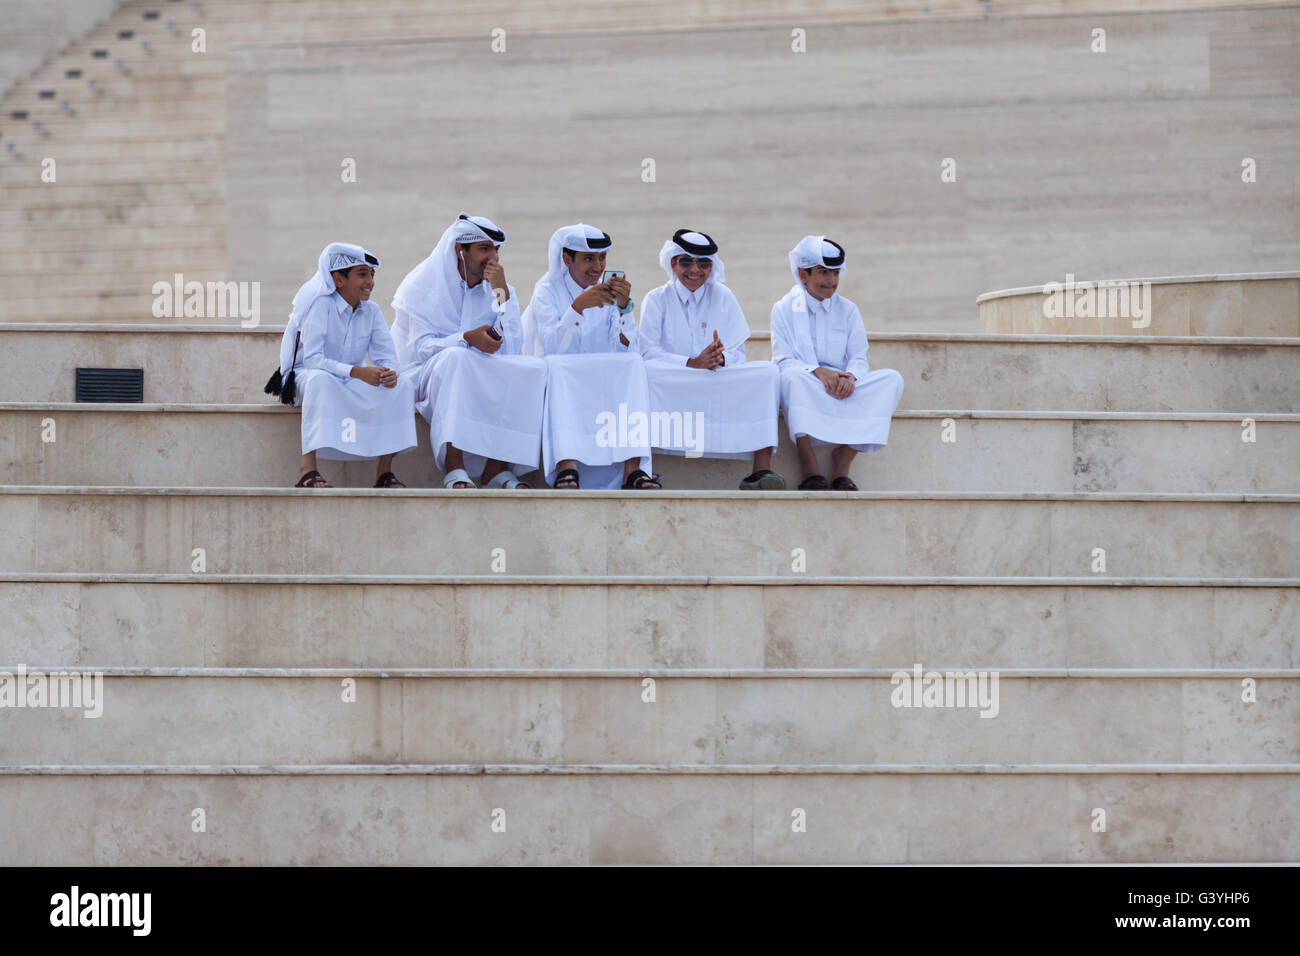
688	242
816	251
477	229
346	258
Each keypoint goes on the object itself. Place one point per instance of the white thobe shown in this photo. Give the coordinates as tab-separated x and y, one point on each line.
591	379
729	412
808	333
343	418
488	406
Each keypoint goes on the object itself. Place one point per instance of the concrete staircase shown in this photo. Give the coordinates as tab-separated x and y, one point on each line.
377	676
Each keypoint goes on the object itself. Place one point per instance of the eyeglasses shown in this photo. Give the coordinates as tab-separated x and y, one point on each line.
686	261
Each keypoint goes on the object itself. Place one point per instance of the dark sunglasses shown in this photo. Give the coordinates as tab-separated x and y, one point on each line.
685	262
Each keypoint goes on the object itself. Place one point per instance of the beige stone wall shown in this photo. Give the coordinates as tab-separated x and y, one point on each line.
1066	161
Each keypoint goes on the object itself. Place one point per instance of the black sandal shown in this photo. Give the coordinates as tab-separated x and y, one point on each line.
640	481
313	479
389	480
568	475
814	483
765	480
843	483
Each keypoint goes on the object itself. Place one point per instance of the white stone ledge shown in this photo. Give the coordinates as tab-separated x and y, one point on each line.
103	491
347	770
965	338
1159	280
632	580
276	408
664	673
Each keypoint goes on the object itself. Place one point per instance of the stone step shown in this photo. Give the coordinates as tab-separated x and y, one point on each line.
228	364
126	172
356	531
82	157
537	718
35	196
156	245
35	219
413	816
1246	304
190	446
108	265
395	19
114	92
490	621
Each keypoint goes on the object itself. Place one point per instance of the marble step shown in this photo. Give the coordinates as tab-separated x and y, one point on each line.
929	450
228	363
949	716
404	815
356	531
601	621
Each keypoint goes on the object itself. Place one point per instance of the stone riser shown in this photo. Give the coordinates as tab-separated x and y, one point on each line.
37	195
134	268
575	720
125	171
651	625
656	533
163	243
606	819
1224	307
192	449
105	215
232	366
85	158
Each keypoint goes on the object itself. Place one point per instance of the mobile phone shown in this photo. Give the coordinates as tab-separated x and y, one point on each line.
611	274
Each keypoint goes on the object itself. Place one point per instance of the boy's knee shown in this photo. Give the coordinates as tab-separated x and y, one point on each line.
893	378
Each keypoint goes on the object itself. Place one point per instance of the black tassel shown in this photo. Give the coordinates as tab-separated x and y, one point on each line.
290	390
273	383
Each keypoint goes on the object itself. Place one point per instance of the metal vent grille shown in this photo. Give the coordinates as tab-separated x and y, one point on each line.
110	385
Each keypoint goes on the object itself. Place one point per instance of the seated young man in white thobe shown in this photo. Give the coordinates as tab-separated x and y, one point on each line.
702	391
350	411
829	392
459	337
596	430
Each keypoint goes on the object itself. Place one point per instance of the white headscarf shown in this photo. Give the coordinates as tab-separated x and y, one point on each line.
686	242
337	255
816	251
427	288
579	237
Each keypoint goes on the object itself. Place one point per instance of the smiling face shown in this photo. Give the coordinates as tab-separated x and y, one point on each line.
820	282
473	257
585	267
692	271
354	284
